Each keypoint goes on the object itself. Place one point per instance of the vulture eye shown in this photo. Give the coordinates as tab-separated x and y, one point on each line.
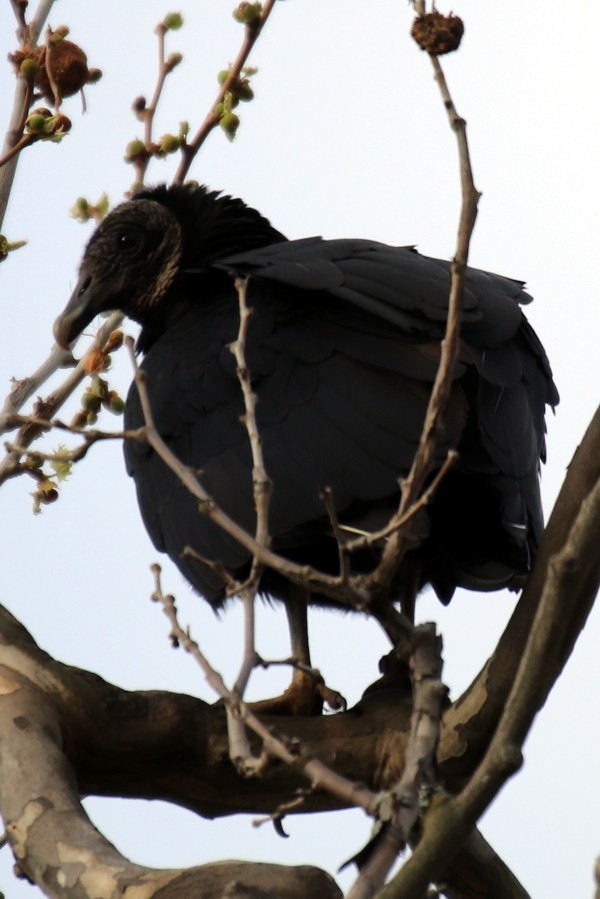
128	238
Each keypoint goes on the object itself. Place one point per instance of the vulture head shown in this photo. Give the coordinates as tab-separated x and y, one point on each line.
144	245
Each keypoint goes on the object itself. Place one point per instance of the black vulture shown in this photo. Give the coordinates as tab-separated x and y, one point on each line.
343	348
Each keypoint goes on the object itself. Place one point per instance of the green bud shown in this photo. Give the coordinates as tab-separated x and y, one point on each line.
94	75
80	210
246	13
245	92
98	386
172	21
34	460
36	123
114	403
44	495
102	206
184	128
229	122
28	69
223	76
62	467
136	149
90	403
173	60
7	246
168	143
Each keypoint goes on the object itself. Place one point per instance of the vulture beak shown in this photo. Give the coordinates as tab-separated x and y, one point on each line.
85	303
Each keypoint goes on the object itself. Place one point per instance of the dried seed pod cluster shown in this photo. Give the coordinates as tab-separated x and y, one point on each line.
438	34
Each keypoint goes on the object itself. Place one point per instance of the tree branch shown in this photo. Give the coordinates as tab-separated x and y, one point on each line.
558	597
251	34
21	103
57	846
424	458
403	801
22	390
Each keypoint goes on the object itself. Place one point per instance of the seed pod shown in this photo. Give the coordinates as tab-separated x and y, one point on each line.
67	63
438	34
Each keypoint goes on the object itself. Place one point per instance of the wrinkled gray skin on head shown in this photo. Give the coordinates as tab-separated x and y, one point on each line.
130	262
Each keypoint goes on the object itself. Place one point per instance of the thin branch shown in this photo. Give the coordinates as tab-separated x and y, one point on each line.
399	521
24	389
424	458
573	575
90	437
339	535
261	483
300	574
251	33
21	103
147	113
319	775
163	71
24	141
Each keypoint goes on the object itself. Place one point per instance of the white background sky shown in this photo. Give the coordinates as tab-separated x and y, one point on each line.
347	137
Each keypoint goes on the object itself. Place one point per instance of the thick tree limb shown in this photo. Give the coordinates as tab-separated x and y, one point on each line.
482	703
478	872
56	844
555	605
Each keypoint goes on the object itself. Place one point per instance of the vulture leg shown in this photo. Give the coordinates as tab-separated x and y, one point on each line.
307	692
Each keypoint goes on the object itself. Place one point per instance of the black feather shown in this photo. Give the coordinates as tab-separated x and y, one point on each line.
343	349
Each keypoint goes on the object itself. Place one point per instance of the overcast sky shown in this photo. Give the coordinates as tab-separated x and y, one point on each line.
347	137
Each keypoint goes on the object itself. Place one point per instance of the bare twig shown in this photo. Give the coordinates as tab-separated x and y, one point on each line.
319	775
341	538
90	437
239	748
424	458
300	574
147	113
251	34
261	483
398	521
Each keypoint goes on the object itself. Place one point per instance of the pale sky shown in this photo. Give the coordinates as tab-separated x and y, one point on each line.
347	137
